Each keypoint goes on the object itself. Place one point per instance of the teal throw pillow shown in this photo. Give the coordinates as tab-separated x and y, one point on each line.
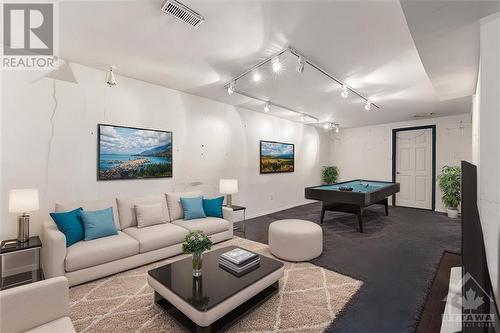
193	208
70	224
213	207
98	223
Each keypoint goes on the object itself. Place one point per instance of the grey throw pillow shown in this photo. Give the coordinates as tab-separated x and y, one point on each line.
148	215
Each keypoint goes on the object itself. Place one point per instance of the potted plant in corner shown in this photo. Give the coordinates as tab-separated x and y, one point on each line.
330	174
195	243
449	182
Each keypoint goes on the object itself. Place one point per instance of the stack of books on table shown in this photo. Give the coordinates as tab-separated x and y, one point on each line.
239	261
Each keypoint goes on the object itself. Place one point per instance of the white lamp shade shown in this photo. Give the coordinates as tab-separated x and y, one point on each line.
23	200
228	186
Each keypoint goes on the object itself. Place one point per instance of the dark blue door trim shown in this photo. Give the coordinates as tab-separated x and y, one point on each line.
394	132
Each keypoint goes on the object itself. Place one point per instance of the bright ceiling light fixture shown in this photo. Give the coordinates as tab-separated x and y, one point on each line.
336	128
368	105
110	77
267	107
256	76
344	92
300	64
302	118
276	65
230	89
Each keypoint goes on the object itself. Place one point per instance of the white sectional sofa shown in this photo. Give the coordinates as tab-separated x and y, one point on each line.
133	246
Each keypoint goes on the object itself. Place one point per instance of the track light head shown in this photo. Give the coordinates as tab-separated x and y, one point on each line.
344	92
267	107
256	76
336	128
368	105
230	88
110	77
276	65
300	64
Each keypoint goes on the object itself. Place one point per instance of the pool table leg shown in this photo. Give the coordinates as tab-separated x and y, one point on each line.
360	218
386	204
322	212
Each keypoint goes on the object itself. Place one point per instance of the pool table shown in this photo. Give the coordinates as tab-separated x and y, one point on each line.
364	193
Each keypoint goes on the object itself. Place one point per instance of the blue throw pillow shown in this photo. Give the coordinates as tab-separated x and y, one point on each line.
213	207
98	223
70	224
193	208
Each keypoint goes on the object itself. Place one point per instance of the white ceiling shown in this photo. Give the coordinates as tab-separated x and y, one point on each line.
366	43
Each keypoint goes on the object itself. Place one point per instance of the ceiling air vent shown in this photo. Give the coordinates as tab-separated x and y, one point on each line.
182	12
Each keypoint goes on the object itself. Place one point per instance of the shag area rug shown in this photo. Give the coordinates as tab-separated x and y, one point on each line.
309	299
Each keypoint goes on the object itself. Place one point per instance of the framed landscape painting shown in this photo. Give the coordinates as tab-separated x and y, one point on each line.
276	157
133	153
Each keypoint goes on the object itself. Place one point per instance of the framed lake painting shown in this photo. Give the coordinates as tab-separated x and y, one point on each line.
276	157
133	153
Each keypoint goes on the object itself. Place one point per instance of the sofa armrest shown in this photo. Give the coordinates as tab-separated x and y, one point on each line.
53	250
31	305
228	214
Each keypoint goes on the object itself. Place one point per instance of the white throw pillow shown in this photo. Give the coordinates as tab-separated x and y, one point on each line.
149	215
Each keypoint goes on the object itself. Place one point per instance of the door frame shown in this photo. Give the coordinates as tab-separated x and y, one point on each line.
394	134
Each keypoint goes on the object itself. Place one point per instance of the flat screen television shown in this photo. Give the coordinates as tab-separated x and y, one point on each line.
477	291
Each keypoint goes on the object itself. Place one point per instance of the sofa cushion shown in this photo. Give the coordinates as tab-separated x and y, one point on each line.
174	203
70	224
126	208
157	236
209	225
92	205
100	251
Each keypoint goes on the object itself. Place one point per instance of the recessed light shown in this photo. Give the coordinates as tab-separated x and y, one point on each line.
267	107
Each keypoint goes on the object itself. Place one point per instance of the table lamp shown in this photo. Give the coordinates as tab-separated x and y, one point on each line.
228	186
23	201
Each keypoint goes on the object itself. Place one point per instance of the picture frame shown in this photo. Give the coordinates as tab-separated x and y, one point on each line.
125	152
276	157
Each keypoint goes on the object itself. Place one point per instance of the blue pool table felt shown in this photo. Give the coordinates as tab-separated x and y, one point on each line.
360	186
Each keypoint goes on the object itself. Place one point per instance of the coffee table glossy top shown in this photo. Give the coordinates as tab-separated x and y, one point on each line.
215	285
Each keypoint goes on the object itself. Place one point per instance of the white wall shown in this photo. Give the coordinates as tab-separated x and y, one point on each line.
366	152
211	141
487	147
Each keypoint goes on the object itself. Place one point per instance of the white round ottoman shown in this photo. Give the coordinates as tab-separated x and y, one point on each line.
295	240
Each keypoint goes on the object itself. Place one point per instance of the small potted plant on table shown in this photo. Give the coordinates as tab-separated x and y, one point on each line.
195	243
449	182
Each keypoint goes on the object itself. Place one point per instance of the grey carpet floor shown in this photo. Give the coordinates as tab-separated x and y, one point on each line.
396	258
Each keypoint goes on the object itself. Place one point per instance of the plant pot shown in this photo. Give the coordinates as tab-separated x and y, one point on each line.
452	213
197	261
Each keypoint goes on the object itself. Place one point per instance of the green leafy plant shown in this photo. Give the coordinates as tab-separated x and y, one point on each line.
330	174
449	182
196	242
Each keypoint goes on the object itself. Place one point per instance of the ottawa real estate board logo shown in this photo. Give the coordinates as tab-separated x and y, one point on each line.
29	36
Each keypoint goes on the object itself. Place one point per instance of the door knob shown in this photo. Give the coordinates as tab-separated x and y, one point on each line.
397	172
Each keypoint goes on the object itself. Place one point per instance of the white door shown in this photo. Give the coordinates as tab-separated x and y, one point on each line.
414	168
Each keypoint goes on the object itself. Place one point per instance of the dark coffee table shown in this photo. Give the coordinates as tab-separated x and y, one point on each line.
217	299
